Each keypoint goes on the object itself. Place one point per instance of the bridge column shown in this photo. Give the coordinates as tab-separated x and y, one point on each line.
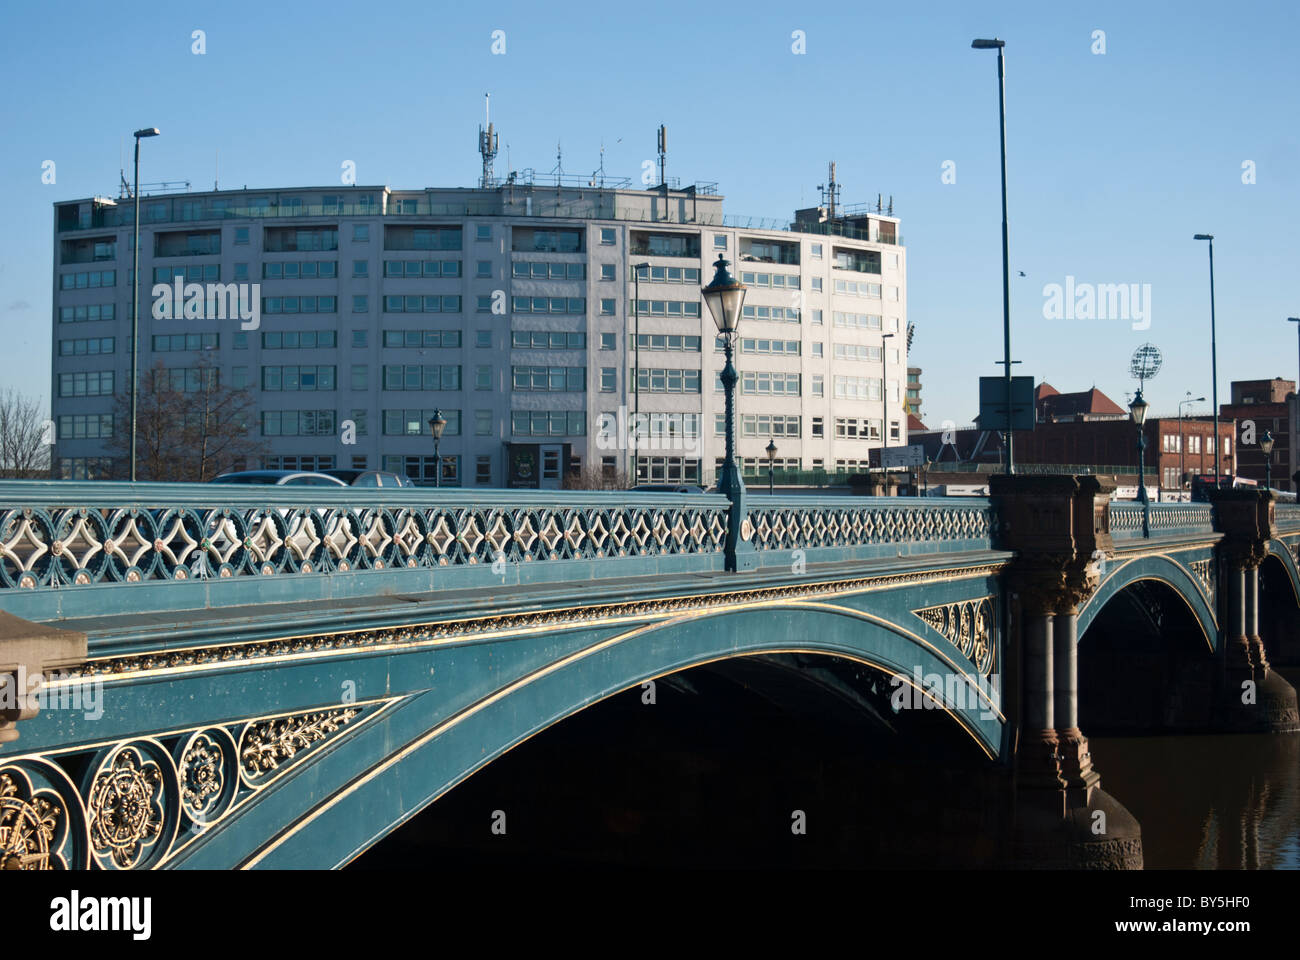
29	654
1254	697
1059	527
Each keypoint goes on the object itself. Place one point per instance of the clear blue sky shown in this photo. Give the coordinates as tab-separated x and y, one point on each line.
1115	160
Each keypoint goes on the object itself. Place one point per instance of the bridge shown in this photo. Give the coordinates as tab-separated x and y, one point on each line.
201	676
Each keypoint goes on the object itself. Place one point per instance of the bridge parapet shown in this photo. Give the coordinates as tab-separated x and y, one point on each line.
175	546
1167	519
828	528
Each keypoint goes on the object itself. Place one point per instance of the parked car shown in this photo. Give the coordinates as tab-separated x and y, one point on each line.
280	478
667	488
369	478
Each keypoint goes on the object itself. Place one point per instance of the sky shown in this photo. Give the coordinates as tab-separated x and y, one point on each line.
1176	119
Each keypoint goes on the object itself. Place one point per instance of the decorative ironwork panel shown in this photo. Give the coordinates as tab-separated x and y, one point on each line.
970	626
809	523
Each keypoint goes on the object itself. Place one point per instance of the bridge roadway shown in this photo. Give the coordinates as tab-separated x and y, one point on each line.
278	677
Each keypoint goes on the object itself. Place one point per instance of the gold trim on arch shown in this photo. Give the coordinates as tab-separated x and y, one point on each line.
478	706
1174	588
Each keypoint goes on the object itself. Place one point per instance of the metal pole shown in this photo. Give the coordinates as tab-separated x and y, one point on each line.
437	464
1214	372
1142	482
731	482
1182	460
135	313
1006	265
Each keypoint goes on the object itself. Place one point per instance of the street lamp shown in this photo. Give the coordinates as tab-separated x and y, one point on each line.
725	295
1295	416
437	424
1138	408
1182	460
1000	45
135	297
884	399
771	462
1266	445
636	366
1214	362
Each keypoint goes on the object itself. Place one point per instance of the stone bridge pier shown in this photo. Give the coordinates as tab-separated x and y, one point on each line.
1254	697
1059	528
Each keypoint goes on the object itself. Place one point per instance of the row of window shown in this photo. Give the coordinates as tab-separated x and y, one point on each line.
533	270
87	312
548	304
299	270
779	281
659	308
173	342
549	379
322	304
548	340
780	314
86	347
421	268
194	273
86	280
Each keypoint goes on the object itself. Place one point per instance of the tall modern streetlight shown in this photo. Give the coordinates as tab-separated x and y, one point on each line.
437	424
771	462
636	365
1182	460
135	296
725	296
1000	45
1214	363
1292	446
1138	408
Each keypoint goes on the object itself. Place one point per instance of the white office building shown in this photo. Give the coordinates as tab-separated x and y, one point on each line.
511	309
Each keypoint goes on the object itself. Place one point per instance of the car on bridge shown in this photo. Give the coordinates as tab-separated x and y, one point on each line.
667	488
369	478
280	478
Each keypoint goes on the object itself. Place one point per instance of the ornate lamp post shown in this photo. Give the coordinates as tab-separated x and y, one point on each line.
437	424
1139	410
1266	445
135	297
725	295
771	462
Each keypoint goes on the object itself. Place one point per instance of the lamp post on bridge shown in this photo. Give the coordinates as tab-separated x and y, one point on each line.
1138	408
135	297
1266	447
437	423
771	462
725	295
1214	363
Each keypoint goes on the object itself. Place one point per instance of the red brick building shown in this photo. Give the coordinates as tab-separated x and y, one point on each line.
1257	406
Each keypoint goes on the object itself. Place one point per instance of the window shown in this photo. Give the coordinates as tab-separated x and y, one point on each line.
719	241
609	341
607	307
768	383
94	426
857	388
360	376
768	425
817	284
326	304
608	379
298	377
415	376
670	275
415	423
298	423
777	281
360	338
547	340
415	303
446	339
241	234
287	239
607	271
428	269
607	236
92	346
483	470
817	318
86	312
482	338
548	423
86	384
360	233
483	377
360	268
484	269
483	231
299	339
241	271
359	418
667	470
549	304
545	270
667	308
98	278
818	427
482	423
549	379
817	349
816	251
241	341
239	377
165	343
779	314
818	385
360	304
658	380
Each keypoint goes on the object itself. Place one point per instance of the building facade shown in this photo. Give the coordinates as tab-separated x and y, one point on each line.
511	309
1259	406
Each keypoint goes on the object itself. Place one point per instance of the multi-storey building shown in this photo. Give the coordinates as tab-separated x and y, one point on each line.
1259	406
515	310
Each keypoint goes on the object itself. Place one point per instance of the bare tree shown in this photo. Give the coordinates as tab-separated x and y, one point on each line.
189	426
24	438
595	478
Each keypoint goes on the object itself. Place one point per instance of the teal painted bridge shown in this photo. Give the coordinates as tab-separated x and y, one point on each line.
200	676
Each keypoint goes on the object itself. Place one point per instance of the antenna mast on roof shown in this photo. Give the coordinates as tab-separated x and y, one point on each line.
599	173
663	154
487	143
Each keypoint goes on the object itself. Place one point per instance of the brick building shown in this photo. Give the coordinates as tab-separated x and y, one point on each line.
1257	406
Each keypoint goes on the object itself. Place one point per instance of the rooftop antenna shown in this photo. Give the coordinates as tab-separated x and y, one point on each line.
891	204
121	168
600	171
663	153
559	163
216	176
487	143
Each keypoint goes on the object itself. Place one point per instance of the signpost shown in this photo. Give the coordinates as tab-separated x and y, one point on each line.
911	456
993	404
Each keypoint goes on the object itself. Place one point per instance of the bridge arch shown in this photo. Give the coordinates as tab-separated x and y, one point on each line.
1160	569
389	790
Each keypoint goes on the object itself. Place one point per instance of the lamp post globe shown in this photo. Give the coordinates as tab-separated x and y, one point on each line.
437	424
